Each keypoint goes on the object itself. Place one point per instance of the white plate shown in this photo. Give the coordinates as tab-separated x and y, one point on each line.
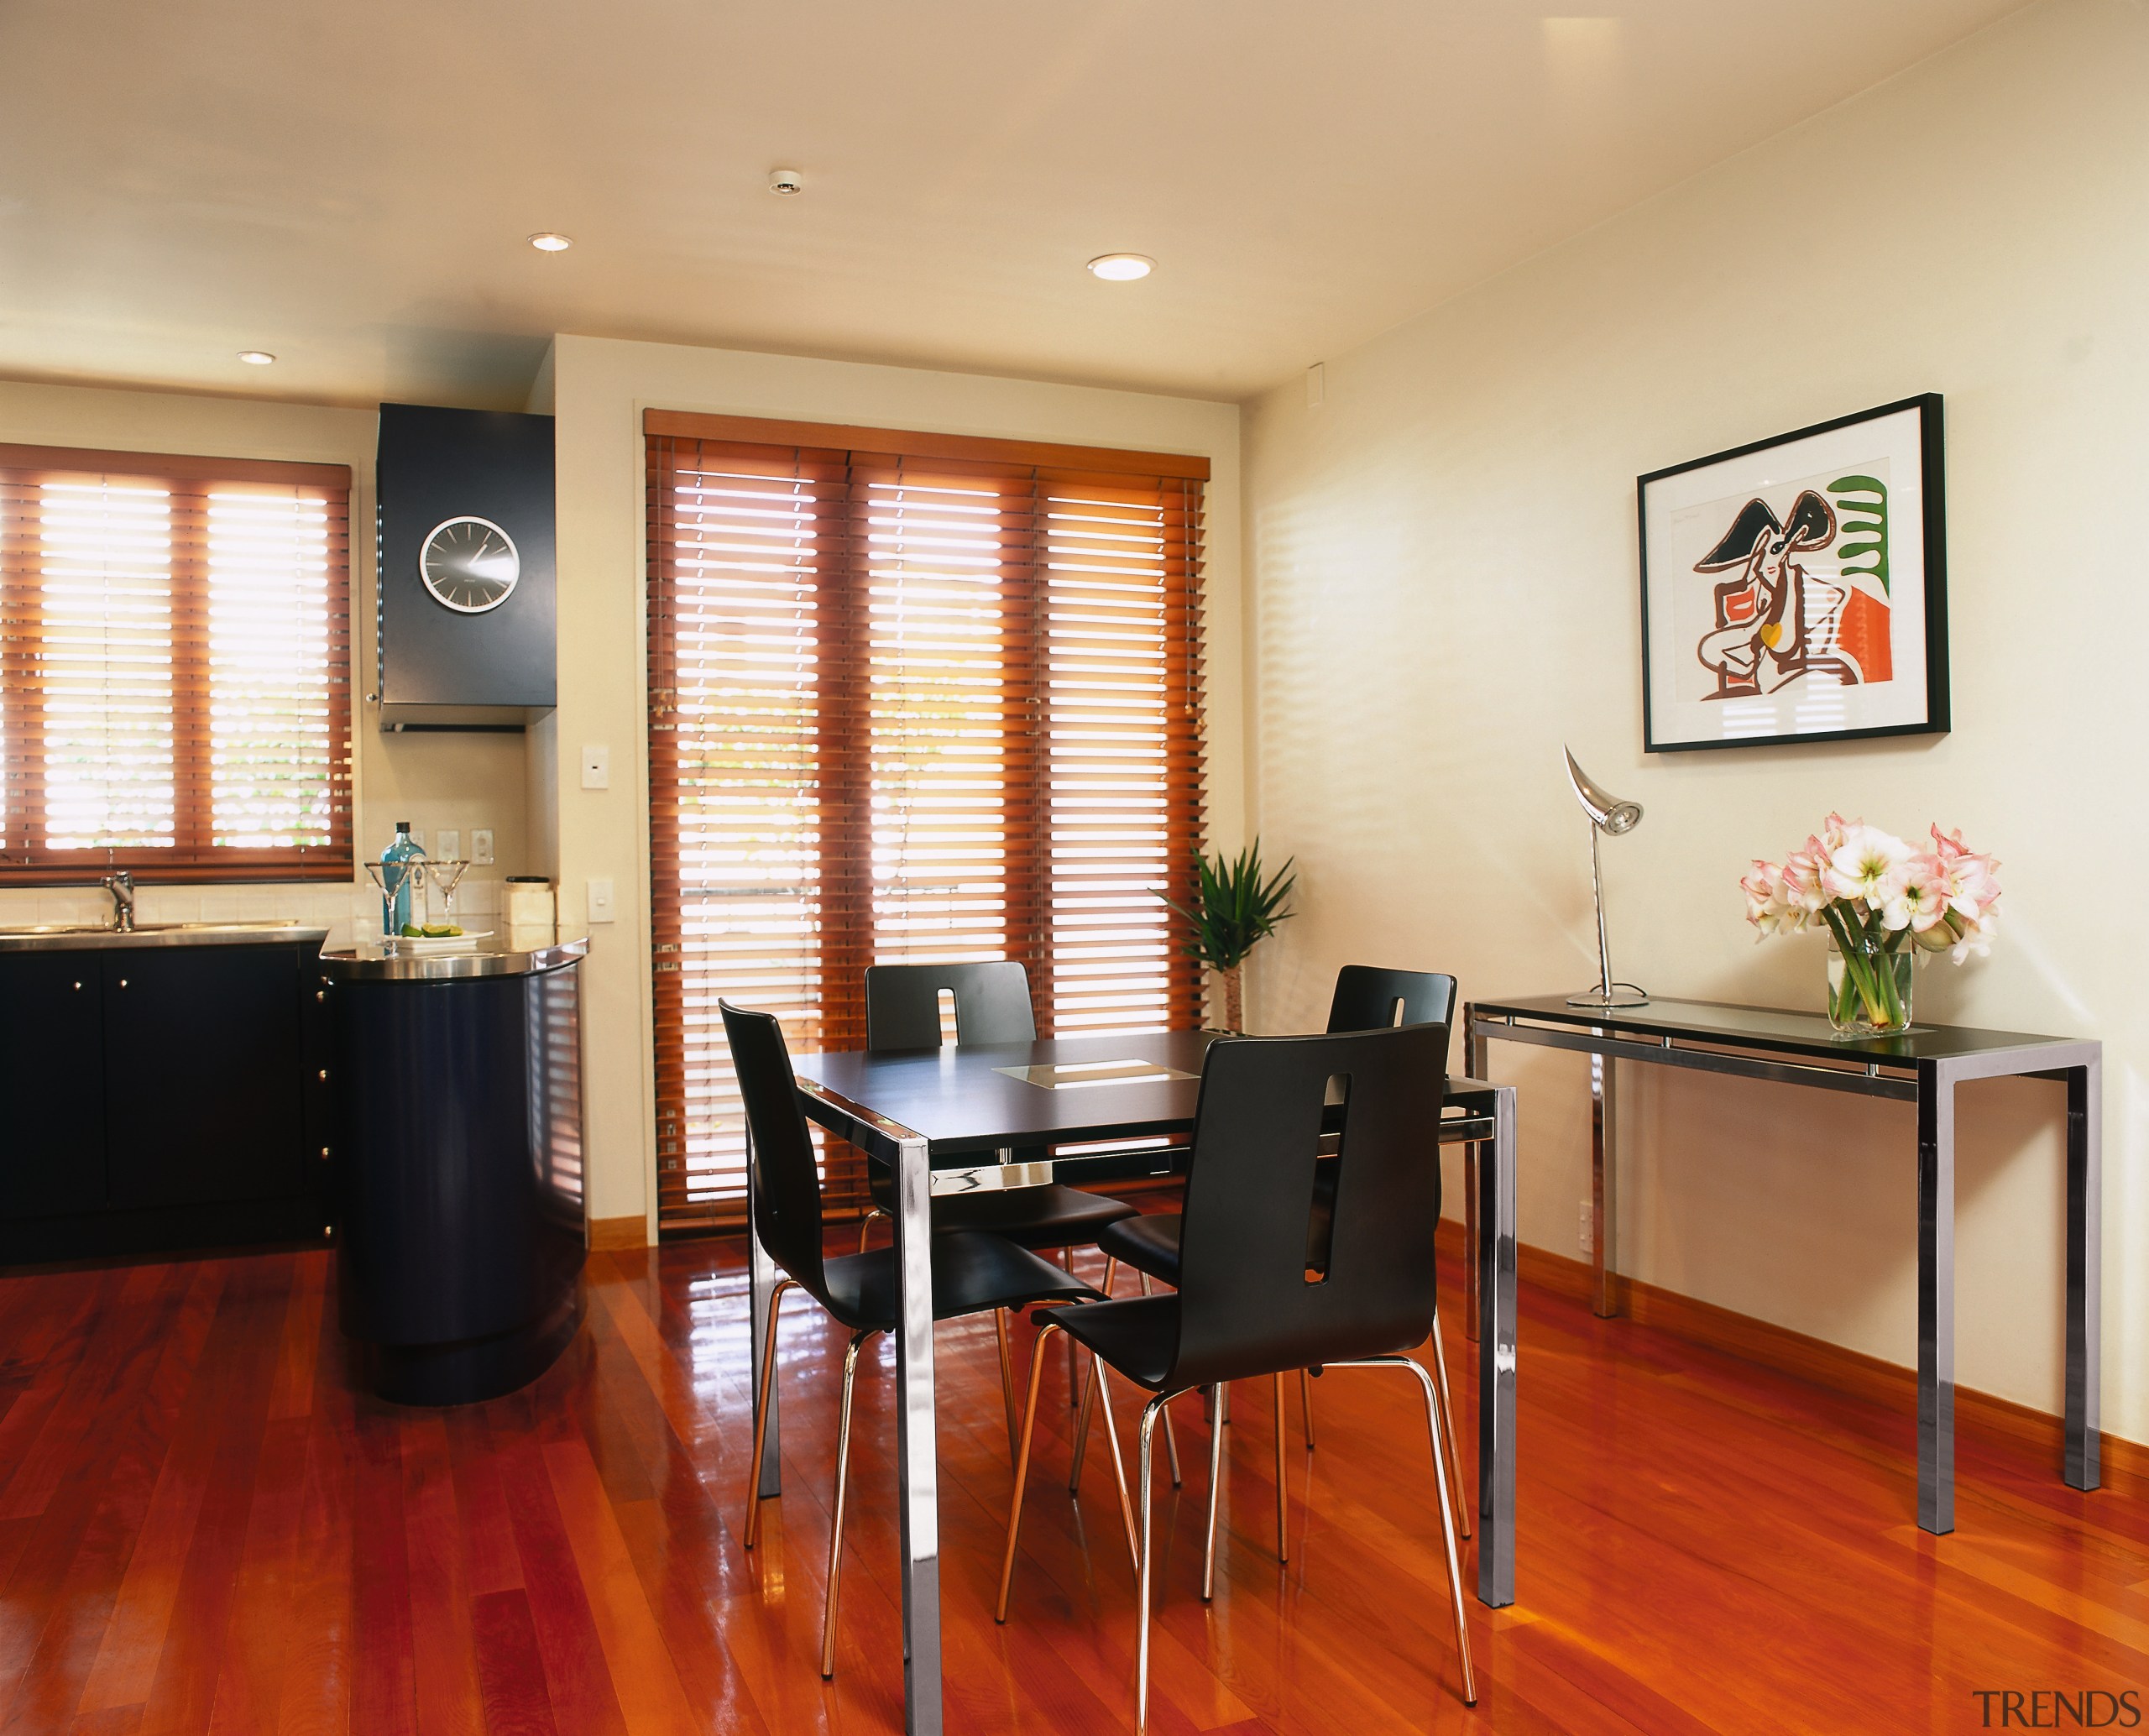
464	942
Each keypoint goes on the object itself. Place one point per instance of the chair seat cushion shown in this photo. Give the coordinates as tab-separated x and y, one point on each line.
1051	1217
972	1272
1148	1241
1138	1337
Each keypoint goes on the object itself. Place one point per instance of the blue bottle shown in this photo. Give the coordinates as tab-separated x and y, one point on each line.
396	912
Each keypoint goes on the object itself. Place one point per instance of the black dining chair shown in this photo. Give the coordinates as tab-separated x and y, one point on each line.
992	1006
1366	998
973	1271
1246	1305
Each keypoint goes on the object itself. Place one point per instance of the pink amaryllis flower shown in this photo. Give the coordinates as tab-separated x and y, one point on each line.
1768	907
1869	867
1921	902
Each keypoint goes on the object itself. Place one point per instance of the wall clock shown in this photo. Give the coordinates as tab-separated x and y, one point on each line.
469	564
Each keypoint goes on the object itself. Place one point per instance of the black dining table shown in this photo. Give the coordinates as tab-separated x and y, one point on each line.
975	1117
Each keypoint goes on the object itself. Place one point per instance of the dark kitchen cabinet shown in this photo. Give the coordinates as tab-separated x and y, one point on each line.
202	1094
159	1098
51	1083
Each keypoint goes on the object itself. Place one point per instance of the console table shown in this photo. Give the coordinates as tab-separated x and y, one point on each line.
1922	1065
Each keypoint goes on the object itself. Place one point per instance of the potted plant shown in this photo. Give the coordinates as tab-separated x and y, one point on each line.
1236	909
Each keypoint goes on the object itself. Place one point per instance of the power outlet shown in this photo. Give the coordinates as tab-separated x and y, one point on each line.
481	847
450	843
596	767
1586	1237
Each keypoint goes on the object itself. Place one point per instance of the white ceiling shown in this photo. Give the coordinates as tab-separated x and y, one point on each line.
350	187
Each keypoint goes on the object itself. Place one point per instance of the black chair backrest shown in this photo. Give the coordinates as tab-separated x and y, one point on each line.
1371	999
1246	1304
993	1004
786	1184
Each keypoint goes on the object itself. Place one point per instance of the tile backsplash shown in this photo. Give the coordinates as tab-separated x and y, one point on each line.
347	912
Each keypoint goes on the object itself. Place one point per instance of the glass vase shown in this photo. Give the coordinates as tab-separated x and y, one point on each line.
1868	987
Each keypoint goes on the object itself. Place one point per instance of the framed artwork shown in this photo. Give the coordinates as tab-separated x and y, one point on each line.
1795	590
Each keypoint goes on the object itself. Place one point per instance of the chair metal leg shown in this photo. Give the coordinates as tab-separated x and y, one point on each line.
1447	1423
1447	1513
1305	1401
865	1225
843	1491
1022	1472
1215	1485
1142	1573
1006	1377
1118	1464
1067	1259
1283	1491
761	1413
1171	1440
1082	1422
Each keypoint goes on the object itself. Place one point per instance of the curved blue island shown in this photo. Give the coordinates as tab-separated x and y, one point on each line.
458	1165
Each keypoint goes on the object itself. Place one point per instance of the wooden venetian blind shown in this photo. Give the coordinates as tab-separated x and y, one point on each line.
911	698
175	658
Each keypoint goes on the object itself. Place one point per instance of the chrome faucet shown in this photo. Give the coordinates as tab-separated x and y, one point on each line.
121	886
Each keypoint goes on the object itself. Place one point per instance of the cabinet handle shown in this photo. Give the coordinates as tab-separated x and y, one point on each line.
321	994
122	982
324	1153
78	988
324	1075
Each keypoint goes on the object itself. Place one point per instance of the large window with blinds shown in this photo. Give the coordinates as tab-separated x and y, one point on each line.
911	698
174	659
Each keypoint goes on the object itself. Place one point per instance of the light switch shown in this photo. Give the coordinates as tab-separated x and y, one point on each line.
481	847
600	901
448	843
596	768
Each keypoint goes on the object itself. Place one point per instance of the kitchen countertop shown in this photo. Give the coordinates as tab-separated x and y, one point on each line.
80	938
370	964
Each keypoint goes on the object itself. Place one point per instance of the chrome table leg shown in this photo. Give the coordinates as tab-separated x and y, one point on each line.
2085	1194
1496	1358
1604	1185
1476	1158
915	1443
1936	1298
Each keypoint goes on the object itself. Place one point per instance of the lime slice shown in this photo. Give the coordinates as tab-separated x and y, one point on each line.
411	931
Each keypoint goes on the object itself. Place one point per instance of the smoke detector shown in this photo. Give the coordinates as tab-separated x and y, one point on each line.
784	182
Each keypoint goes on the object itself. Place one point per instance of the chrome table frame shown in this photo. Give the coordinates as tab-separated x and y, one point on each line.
1930	1082
1486	1123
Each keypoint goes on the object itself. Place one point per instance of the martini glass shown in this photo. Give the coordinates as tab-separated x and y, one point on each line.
446	874
391	877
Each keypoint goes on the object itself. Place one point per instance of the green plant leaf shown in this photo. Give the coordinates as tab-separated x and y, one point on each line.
1235	907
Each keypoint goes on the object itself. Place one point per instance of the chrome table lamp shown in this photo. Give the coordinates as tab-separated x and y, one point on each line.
1607	813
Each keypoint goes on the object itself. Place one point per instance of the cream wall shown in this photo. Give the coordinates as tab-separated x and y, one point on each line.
431	780
1442	591
597	388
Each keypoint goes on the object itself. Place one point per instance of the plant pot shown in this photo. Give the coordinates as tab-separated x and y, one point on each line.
1869	987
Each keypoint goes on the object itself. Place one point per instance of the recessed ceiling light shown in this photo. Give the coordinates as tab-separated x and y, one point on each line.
550	242
1123	268
256	358
786	182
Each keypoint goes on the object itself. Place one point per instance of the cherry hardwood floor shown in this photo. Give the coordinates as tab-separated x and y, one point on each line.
205	1526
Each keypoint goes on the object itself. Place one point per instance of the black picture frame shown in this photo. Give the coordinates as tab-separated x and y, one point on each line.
1823	654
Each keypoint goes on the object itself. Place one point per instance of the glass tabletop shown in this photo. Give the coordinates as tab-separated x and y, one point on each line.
1776	1029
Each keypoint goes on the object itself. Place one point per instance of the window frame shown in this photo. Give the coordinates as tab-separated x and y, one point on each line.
192	859
1179	481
